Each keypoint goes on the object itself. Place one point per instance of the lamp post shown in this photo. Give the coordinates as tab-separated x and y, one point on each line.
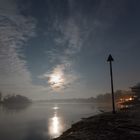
110	59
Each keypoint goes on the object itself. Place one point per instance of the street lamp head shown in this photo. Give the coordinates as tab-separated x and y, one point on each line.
110	58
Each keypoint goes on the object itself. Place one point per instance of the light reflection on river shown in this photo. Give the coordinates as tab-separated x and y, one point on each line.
41	121
56	124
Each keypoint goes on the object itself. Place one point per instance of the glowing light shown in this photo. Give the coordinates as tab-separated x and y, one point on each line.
56	79
55	108
55	126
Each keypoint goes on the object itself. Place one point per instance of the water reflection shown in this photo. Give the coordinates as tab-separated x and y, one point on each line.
15	107
36	130
124	106
40	121
55	107
56	125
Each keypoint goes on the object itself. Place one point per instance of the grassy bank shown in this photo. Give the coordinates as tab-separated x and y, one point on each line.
125	124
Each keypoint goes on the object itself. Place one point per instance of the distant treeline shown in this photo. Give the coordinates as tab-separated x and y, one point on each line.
72	100
118	95
14	99
105	98
133	94
100	98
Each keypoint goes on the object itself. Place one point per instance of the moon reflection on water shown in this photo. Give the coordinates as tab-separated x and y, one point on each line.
56	125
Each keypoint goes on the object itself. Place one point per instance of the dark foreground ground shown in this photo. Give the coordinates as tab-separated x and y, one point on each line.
124	125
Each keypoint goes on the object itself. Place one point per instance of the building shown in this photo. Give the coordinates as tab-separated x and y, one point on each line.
136	90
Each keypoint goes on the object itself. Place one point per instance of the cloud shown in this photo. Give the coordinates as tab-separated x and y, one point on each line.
59	77
15	30
79	28
8	7
71	39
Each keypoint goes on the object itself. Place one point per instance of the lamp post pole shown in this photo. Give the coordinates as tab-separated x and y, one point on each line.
110	59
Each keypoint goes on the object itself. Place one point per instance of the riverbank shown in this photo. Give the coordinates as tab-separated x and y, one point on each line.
125	124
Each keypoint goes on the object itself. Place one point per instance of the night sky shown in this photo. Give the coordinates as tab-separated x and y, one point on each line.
58	48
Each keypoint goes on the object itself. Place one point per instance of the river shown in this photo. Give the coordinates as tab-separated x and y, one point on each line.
41	121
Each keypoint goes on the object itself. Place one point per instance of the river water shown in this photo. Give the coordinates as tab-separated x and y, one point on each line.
41	121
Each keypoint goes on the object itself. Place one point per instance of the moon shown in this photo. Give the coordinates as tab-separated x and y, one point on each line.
56	80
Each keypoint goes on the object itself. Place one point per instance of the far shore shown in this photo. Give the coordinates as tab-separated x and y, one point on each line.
124	125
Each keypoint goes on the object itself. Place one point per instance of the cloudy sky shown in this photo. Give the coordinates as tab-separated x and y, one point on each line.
58	48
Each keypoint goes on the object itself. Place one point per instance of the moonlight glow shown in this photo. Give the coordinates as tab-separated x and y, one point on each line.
56	79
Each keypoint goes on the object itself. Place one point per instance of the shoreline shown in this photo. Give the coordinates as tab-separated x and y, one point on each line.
125	124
